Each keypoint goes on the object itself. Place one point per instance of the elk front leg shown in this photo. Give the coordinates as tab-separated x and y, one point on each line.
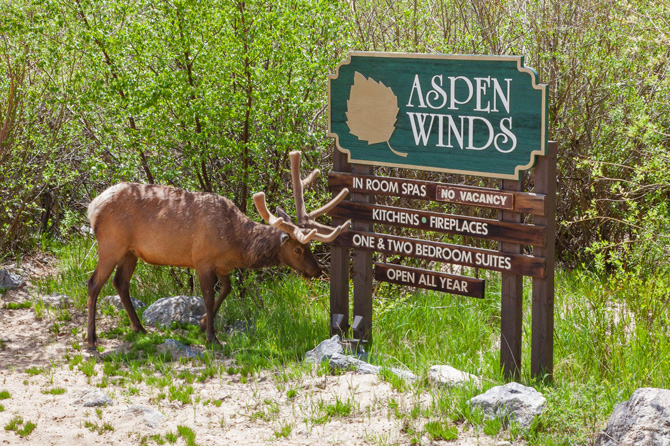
121	282
95	283
225	290
207	280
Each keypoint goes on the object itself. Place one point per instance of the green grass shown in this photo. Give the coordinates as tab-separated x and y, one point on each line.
20	428
4	395
440	431
284	431
54	391
34	371
187	434
611	337
17	306
99	428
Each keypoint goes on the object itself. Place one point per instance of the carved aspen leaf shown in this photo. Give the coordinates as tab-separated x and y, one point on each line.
372	111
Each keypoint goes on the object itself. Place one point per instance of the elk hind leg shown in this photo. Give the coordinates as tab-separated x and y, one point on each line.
95	284
121	282
225	290
207	278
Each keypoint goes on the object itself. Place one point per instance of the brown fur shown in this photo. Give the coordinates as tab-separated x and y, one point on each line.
168	226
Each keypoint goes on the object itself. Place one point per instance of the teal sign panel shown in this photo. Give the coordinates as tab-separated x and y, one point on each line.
475	115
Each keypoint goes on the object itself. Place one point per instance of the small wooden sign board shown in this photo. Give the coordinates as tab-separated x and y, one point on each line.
474	115
430	280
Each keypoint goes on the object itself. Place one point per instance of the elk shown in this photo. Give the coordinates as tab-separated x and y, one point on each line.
164	225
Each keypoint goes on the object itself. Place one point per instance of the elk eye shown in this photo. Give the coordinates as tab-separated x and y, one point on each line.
298	250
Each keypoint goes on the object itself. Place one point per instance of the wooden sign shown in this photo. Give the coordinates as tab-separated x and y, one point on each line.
443	192
430	280
476	115
443	252
473	115
446	223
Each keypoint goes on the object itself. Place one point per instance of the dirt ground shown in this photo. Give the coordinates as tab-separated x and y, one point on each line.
225	410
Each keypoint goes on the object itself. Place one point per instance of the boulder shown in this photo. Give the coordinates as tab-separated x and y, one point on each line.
115	301
180	309
149	416
447	376
513	401
93	398
178	350
10	281
643	419
325	350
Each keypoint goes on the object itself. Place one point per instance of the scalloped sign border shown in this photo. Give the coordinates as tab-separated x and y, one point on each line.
464	114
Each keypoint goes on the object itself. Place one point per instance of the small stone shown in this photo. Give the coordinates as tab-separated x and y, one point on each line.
151	417
325	350
179	350
245	326
10	281
338	361
643	419
94	398
180	309
55	300
511	401
404	374
115	301
445	375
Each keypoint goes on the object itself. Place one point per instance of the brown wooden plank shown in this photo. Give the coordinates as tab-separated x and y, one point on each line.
531	203
511	300
542	340
430	280
443	252
445	223
362	268
339	266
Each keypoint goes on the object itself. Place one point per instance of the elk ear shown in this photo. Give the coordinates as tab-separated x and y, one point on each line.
283	238
283	215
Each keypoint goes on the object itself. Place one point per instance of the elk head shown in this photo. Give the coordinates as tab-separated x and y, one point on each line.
294	250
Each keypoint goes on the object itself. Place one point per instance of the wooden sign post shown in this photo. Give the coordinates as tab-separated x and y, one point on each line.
476	115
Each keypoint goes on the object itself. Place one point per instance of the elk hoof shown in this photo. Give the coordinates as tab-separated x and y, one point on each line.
213	342
139	329
91	345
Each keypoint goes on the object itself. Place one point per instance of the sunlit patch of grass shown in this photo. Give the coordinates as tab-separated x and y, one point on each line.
54	391
19	427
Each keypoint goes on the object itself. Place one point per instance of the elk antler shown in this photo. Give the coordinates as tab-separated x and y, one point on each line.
300	232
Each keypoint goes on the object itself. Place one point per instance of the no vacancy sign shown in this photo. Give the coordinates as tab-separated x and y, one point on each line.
476	115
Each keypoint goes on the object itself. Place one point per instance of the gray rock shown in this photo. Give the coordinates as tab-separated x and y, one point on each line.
178	350
447	376
181	309
94	398
325	350
10	281
404	374
512	401
244	326
151	417
55	300
115	301
338	361
332	351
642	420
